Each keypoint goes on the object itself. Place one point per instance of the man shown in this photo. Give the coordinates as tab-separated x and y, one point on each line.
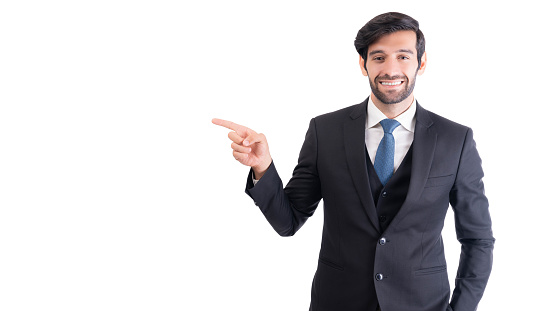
387	170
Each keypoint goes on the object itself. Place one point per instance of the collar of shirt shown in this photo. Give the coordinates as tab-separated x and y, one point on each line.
406	119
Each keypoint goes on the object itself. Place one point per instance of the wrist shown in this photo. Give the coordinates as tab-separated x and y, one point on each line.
259	170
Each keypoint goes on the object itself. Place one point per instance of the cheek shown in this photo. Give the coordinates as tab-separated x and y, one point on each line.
411	70
375	70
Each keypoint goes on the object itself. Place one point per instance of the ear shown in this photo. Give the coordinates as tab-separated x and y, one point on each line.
423	64
362	65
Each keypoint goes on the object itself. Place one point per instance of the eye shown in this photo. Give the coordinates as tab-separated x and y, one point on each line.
378	58
404	57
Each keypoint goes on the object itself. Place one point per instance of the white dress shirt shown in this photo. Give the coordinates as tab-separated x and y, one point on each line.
403	134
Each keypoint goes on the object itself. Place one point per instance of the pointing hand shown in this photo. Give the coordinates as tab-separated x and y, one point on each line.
248	147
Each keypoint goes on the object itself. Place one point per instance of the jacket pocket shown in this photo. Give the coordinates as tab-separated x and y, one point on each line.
440	181
329	263
431	270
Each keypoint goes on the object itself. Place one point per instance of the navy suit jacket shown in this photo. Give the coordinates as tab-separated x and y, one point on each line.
408	271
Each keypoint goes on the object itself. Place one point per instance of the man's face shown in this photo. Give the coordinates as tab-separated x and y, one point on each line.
392	67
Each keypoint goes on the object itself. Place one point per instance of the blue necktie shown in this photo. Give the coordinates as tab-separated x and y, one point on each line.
384	160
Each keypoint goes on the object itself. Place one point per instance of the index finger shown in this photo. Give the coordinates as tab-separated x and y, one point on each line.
230	125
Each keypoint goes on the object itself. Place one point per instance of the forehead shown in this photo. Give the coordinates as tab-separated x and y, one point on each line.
399	40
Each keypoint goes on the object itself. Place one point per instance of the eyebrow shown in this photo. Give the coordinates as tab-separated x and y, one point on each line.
371	53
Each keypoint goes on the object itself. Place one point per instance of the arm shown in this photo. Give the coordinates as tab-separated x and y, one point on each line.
288	209
285	209
473	227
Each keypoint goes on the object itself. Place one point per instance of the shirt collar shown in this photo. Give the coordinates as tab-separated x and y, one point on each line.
406	119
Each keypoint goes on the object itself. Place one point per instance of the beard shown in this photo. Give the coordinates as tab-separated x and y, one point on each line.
393	97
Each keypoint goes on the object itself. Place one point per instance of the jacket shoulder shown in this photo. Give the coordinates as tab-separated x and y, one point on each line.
446	124
343	113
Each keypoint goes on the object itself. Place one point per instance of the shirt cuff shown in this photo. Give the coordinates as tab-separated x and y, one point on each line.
254	180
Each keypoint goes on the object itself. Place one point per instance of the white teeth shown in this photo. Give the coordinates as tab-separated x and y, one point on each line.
391	83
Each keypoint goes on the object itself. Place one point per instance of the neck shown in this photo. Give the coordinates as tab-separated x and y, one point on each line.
391	111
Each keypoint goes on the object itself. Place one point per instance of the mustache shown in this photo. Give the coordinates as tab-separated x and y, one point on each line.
388	77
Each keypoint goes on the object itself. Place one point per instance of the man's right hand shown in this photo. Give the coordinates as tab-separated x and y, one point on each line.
248	147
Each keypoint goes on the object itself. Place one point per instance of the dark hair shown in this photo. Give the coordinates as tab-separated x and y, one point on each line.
384	24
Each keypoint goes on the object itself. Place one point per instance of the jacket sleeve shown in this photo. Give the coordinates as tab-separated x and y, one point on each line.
473	228
288	208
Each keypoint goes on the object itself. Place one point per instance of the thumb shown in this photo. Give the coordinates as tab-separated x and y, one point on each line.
253	139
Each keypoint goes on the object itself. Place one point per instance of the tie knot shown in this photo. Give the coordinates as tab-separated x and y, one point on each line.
389	125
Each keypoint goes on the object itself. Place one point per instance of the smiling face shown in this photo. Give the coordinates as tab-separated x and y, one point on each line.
392	68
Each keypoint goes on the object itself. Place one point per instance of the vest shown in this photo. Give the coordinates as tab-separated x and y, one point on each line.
389	199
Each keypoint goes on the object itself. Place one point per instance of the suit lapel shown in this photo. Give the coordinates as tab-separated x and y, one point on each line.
424	144
354	141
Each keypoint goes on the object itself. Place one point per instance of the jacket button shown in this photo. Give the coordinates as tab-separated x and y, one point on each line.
379	277
382	241
382	218
384	194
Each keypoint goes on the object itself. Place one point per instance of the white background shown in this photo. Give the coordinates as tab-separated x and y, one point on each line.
117	192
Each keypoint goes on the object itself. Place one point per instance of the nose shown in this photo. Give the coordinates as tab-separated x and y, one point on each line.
391	68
